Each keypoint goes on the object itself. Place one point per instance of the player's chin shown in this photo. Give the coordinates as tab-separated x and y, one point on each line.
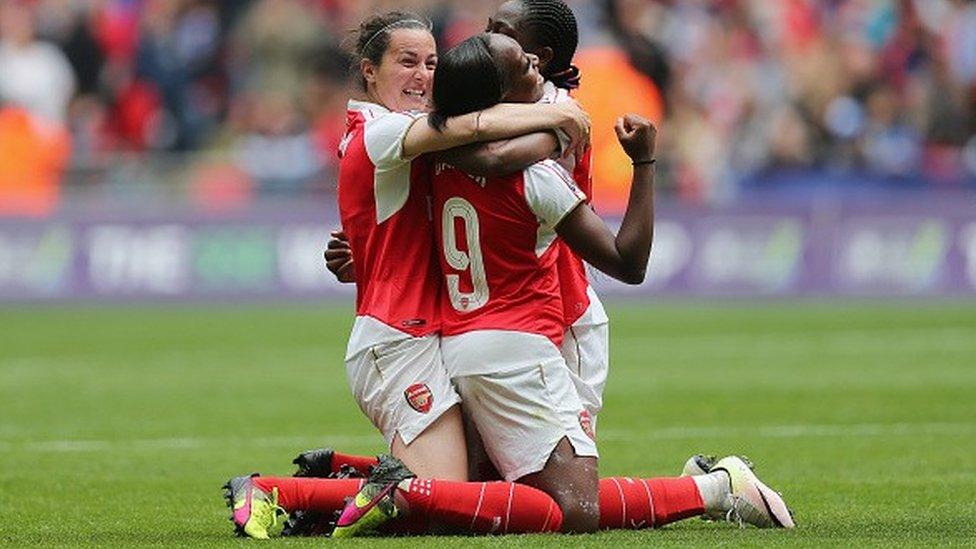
413	102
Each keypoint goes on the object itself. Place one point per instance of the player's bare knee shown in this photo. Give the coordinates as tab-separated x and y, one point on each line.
579	516
572	482
439	451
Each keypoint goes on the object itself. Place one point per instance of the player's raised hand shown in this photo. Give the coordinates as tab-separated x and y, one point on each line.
338	258
576	126
637	136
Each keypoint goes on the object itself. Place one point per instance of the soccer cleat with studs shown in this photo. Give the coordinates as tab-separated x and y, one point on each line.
701	464
314	463
749	500
254	512
374	505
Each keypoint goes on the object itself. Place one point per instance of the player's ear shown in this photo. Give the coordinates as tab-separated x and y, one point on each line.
368	70
545	55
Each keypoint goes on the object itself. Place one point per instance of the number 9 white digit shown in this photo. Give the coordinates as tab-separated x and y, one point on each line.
459	208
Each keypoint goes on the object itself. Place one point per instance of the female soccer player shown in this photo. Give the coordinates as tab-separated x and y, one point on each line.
502	312
503	320
548	30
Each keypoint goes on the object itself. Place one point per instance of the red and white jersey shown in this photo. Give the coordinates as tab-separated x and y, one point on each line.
573	281
497	244
384	203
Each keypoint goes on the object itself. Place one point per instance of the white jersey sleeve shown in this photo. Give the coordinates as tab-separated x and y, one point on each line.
550	192
384	136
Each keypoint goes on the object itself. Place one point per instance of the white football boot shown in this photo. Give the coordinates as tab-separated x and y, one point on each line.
701	464
750	501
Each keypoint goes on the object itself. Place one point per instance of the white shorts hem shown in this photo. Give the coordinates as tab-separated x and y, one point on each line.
409	433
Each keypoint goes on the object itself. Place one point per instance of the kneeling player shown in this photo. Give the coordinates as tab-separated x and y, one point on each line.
502	315
497	242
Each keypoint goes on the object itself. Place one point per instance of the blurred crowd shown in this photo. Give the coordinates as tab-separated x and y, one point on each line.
249	95
884	87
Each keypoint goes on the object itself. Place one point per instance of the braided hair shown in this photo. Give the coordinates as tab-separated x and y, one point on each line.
551	23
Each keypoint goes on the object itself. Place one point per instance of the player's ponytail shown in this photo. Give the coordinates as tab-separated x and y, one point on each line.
466	80
568	79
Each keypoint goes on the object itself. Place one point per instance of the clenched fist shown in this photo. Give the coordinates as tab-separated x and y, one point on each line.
637	136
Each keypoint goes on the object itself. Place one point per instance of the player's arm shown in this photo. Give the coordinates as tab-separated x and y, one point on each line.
623	256
502	121
504	157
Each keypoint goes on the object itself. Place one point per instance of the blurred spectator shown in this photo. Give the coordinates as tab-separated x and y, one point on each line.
276	148
35	75
36	83
611	86
178	52
273	66
270	47
33	152
326	94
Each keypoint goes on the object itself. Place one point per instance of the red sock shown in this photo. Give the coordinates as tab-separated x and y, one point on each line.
483	507
311	494
359	463
633	503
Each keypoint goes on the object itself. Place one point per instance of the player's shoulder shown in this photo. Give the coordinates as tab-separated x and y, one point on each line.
357	113
383	132
365	110
373	115
547	170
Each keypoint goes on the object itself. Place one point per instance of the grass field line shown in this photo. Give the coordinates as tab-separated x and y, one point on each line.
944	339
955	338
185	443
339	441
949	338
795	431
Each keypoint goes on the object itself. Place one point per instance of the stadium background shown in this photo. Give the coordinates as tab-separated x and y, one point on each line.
167	177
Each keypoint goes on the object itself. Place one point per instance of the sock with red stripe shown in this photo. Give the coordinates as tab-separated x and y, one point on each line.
633	503
311	494
481	507
361	464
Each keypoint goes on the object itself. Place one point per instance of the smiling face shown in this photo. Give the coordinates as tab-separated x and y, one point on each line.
520	70
402	80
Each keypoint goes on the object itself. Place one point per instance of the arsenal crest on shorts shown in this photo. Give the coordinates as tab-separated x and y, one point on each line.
586	422
419	397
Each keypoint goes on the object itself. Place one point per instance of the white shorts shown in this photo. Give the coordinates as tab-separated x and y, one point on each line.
401	385
525	406
586	350
587	355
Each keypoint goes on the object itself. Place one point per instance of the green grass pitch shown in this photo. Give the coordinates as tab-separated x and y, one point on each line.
118	425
